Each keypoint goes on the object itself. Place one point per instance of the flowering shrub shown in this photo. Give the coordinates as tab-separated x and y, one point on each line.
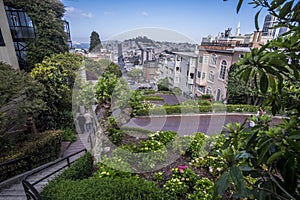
214	164
158	176
183	180
184	174
176	187
197	146
164	137
203	190
150	145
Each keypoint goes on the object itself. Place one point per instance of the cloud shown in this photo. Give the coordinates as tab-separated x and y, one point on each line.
74	12
144	13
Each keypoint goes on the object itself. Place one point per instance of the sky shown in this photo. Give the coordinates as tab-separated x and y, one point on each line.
172	20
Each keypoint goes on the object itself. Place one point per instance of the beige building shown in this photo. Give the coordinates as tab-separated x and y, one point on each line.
212	70
7	50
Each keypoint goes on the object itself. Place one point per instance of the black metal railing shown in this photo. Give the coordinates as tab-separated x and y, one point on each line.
30	191
20	165
68	164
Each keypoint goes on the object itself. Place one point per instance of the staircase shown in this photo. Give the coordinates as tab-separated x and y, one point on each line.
12	189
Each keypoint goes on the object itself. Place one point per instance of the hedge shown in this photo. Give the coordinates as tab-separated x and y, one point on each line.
202	108
80	169
106	188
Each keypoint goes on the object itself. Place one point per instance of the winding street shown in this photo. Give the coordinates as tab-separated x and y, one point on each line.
188	124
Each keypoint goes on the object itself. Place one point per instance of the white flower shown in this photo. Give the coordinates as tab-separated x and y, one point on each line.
210	169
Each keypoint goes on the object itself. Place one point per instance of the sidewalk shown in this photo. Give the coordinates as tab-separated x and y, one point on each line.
15	189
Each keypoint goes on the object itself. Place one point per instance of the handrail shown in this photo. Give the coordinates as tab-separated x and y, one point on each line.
30	191
54	163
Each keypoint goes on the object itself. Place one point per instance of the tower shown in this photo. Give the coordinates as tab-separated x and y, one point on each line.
238	29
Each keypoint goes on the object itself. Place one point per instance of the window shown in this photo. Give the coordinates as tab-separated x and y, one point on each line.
2	43
211	76
205	60
242	55
218	95
209	91
201	89
177	69
193	61
223	70
198	74
191	75
213	60
203	75
200	59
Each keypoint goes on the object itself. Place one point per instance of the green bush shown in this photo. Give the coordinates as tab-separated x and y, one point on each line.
151	91
107	188
203	190
80	169
164	137
69	135
204	102
113	167
115	136
204	106
132	130
197	146
206	96
49	140
182	181
177	91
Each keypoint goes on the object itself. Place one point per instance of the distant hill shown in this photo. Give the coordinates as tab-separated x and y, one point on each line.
81	45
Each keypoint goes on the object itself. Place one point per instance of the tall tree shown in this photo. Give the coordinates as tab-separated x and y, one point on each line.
20	101
57	73
95	42
50	38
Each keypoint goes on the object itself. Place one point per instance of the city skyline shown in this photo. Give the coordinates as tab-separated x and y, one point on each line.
191	19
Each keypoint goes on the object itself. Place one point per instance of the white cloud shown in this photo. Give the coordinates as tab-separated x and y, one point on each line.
144	13
74	12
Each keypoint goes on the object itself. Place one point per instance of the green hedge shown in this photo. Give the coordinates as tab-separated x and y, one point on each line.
203	107
80	169
153	98
107	188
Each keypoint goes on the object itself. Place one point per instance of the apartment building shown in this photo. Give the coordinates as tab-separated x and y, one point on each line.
212	70
7	50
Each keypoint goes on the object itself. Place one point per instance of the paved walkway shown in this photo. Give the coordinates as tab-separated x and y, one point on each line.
16	192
